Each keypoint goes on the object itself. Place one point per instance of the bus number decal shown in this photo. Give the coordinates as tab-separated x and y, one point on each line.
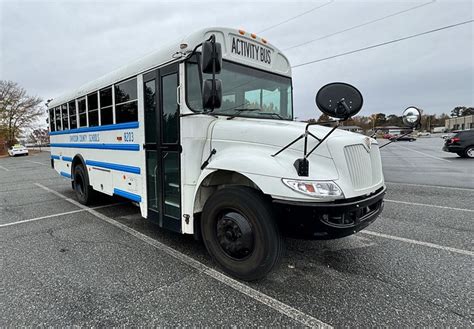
128	136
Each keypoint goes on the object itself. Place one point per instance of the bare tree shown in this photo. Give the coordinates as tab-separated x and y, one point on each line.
17	110
40	137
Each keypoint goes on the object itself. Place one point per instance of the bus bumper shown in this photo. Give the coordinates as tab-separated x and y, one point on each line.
329	220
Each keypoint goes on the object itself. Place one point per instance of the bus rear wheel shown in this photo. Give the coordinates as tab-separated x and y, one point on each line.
240	232
81	185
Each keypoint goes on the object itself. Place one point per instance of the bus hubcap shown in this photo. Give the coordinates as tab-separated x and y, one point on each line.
235	235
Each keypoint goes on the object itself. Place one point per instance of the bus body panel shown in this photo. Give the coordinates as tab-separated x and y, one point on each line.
116	160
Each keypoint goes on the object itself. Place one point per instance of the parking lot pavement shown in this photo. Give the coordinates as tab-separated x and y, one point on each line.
424	162
110	267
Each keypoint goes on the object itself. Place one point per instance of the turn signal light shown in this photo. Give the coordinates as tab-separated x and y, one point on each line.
242	32
253	35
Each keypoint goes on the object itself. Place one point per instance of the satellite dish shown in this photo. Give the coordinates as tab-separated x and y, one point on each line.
339	100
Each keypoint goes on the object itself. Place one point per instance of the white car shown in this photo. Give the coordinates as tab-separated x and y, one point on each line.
423	134
17	150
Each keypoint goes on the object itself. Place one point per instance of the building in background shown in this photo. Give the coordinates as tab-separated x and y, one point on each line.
354	129
460	123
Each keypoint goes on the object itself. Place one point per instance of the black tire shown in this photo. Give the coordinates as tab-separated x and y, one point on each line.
246	256
469	152
81	185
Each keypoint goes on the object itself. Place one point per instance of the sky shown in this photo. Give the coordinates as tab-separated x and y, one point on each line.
51	47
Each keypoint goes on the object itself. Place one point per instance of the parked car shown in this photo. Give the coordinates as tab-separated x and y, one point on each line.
448	135
461	143
17	150
423	134
409	138
387	136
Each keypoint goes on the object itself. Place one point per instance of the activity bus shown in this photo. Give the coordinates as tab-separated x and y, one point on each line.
201	136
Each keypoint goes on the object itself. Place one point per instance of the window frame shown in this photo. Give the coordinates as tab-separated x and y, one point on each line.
111	107
115	105
92	110
79	113
58	108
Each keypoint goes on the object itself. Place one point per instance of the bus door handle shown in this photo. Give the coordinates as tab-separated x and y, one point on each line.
178	92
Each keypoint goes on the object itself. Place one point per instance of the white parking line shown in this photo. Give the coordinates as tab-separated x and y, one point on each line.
420	243
425	154
291	312
434	186
43	164
6	169
55	215
428	205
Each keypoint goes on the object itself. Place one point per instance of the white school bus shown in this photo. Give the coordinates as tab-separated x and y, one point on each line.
204	142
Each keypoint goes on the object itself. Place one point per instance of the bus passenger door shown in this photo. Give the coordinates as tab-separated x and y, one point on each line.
163	149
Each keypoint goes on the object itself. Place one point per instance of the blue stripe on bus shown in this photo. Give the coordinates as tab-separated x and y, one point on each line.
121	147
128	195
127	125
65	174
68	159
113	166
56	157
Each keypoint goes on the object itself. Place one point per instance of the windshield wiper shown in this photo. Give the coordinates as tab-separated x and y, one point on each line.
272	113
242	110
196	113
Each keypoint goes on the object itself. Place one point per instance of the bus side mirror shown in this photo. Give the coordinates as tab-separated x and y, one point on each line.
211	94
211	59
211	63
411	117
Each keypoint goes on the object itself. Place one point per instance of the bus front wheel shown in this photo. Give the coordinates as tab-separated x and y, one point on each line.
81	185
240	232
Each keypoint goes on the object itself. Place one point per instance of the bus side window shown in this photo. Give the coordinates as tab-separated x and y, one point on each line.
51	120
126	104
106	111
72	115
57	111
81	106
65	117
93	111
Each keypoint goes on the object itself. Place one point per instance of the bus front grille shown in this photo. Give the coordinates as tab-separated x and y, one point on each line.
364	166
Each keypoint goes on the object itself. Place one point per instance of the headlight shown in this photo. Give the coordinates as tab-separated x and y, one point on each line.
317	189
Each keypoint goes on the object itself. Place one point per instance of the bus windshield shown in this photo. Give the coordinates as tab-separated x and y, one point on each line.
246	91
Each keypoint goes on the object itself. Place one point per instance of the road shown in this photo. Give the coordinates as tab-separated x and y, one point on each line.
64	264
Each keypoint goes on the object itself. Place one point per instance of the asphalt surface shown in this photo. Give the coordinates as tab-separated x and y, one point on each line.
412	267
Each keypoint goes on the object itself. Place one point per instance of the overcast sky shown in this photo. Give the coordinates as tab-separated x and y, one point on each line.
50	47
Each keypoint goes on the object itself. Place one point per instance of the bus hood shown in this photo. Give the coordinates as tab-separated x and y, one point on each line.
276	134
247	145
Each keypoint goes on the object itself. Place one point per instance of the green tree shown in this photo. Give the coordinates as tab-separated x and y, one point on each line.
458	111
394	120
